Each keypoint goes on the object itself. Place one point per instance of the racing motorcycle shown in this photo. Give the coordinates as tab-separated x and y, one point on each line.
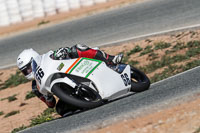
86	83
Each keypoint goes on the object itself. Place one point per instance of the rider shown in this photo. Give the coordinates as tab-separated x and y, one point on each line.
25	58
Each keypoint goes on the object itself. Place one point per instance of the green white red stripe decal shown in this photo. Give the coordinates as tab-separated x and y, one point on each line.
72	65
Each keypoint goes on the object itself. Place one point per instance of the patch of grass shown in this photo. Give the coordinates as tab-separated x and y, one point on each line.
22	104
41	119
161	45
135	50
153	56
173	69
151	67
178	35
177	47
10	98
197	131
177	58
191	65
168	72
30	95
193	44
49	111
19	129
1	113
125	58
44	117
14	80
192	33
147	49
169	51
193	52
2	99
148	40
43	22
133	63
193	48
165	61
11	113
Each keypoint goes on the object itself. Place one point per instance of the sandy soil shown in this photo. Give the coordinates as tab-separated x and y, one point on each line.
27	108
183	118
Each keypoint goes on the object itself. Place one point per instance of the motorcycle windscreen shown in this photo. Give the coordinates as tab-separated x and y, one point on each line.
34	66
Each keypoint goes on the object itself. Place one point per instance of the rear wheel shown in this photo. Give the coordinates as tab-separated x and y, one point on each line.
82	97
139	81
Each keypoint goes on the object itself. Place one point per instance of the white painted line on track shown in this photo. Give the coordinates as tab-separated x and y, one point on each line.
7	66
132	38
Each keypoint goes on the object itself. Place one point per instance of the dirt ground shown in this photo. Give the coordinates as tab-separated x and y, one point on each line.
183	118
27	108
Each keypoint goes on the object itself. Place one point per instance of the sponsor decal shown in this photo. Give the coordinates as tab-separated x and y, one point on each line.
60	66
84	67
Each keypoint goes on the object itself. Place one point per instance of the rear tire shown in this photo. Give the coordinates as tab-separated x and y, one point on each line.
139	81
67	95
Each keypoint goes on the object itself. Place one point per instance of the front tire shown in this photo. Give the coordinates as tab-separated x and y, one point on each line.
139	81
69	96
64	109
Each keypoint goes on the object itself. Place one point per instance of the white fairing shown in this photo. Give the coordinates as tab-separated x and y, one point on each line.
108	82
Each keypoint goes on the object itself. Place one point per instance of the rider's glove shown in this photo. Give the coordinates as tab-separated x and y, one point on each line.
62	53
35	89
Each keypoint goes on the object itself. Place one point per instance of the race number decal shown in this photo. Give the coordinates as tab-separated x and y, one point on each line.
39	74
126	79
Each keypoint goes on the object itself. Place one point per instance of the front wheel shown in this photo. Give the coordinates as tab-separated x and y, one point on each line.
139	80
83	97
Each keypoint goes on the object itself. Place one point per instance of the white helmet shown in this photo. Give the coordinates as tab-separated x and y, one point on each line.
24	61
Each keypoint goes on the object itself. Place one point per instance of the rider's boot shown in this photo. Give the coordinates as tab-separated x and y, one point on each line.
109	59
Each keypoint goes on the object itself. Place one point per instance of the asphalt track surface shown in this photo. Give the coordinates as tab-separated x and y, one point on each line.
137	19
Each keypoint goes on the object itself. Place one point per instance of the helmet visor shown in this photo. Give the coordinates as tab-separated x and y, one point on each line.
26	70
